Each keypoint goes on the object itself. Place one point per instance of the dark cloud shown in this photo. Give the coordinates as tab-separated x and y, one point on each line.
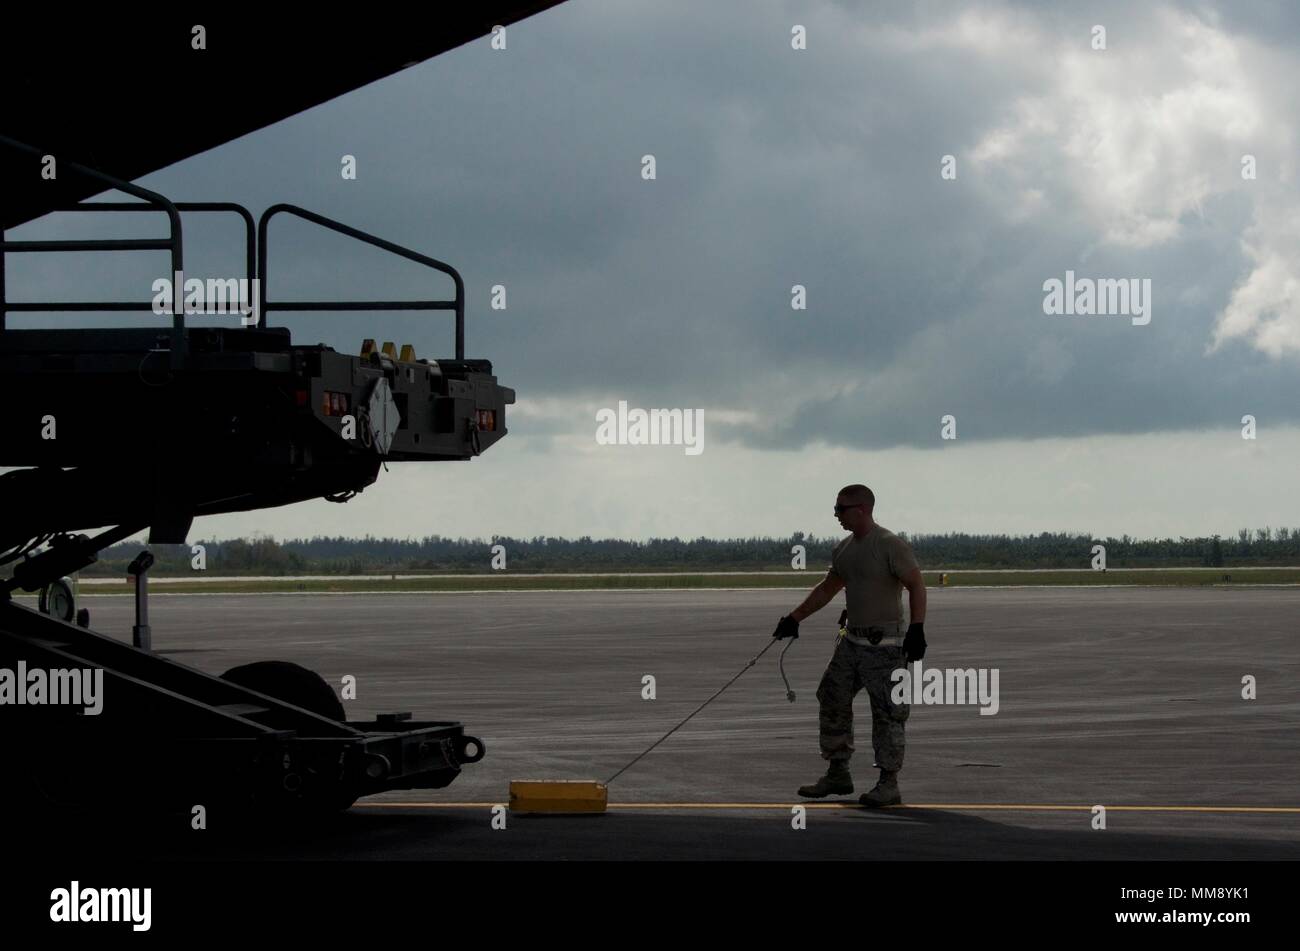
775	168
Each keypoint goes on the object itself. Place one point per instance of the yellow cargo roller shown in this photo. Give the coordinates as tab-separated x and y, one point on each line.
589	797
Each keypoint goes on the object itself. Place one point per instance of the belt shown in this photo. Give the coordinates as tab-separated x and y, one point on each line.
875	636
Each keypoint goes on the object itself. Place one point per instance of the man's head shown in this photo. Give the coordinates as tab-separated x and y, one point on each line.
853	507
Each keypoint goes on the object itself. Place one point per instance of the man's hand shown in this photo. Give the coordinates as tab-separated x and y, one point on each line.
786	627
914	642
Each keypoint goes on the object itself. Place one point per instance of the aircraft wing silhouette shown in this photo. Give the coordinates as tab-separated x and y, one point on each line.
129	94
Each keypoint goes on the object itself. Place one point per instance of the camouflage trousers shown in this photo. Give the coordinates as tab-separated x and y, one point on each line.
853	667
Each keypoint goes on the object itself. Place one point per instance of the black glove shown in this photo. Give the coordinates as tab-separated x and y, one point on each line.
786	627
914	642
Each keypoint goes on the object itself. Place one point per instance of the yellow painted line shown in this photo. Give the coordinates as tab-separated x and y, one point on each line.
969	807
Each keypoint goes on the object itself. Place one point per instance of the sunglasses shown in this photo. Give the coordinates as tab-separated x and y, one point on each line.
841	509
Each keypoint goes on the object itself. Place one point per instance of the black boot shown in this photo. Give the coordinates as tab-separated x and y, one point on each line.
885	792
837	781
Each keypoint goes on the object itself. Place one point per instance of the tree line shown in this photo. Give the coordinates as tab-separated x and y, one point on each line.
436	553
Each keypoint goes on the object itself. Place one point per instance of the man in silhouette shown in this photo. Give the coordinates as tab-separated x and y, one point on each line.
872	565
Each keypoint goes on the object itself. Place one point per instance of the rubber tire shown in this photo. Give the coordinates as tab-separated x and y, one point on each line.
291	683
304	688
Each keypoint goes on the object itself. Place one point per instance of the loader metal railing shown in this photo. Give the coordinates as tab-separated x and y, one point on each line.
256	247
457	304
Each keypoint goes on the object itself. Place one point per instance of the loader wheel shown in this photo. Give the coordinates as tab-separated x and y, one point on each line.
304	688
291	683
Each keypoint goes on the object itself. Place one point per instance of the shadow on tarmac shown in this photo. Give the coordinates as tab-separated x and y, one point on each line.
464	834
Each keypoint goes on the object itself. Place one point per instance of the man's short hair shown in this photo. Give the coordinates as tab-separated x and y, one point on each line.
858	494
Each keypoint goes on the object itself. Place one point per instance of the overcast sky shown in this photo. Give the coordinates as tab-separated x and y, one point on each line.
818	167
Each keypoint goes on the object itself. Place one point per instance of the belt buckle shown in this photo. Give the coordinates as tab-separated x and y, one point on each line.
875	635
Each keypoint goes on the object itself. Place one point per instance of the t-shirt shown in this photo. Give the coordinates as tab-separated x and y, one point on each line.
870	568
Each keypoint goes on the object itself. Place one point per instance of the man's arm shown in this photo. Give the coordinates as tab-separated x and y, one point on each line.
914	643
820	596
915	586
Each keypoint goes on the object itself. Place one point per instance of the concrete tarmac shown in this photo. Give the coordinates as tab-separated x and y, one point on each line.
1121	697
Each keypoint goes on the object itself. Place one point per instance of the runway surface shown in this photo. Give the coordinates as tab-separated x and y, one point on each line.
1121	697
